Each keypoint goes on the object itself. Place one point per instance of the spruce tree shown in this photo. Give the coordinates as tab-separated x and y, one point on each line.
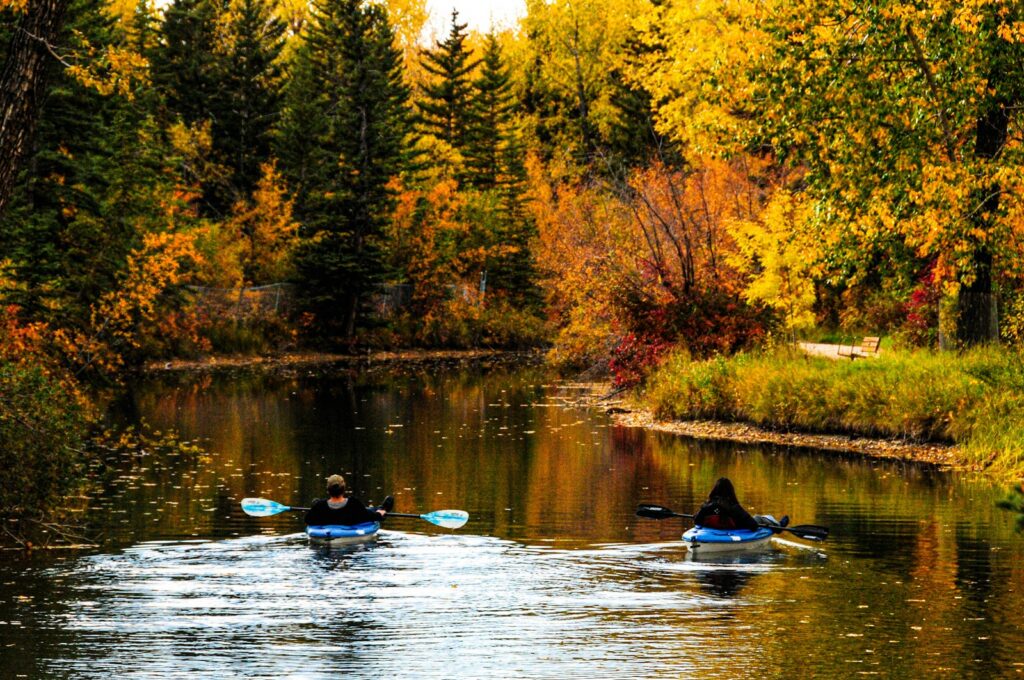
231	78
86	193
303	128
446	104
632	139
249	100
491	128
494	164
359	119
184	66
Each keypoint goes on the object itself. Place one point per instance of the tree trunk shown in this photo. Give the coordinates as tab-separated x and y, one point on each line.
976	316
21	84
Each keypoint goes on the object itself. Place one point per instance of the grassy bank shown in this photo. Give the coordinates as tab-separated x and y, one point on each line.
975	399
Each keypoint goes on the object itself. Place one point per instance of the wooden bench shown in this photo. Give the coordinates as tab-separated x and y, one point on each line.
869	347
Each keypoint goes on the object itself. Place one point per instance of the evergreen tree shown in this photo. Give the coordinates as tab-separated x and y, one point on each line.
219	62
633	140
491	132
446	104
359	119
302	130
249	100
184	66
87	190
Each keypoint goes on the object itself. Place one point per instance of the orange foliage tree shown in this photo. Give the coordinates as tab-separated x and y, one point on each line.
642	260
429	242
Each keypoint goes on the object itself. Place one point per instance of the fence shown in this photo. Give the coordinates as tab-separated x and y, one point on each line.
385	302
241	304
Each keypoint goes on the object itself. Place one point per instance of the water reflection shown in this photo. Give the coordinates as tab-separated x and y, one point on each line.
553	576
724	576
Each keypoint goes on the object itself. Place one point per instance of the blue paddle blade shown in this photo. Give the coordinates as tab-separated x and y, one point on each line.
261	507
449	519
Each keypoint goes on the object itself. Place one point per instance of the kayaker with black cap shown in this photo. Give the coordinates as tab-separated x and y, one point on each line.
722	510
341	509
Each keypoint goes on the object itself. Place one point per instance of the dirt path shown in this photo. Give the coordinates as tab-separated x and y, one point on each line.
820	349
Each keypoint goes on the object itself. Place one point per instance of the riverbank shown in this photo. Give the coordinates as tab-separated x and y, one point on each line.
941	455
959	410
301	360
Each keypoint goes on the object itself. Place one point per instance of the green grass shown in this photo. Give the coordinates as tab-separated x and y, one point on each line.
974	399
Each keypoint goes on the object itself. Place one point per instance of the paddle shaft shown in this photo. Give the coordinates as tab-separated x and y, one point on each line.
808	531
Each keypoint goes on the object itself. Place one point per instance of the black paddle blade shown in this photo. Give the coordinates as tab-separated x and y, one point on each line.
654	511
658	512
811	532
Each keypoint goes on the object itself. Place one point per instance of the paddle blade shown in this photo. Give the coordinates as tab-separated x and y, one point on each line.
449	519
261	507
811	532
654	512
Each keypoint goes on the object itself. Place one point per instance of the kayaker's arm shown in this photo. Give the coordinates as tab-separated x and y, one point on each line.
314	516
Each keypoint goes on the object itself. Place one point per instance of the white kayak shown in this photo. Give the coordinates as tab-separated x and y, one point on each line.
336	534
704	540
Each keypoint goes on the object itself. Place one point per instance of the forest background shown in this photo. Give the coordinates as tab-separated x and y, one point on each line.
621	181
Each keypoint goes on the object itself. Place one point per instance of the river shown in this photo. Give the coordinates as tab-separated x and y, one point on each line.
553	576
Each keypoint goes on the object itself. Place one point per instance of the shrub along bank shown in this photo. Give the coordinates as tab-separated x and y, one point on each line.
43	427
974	399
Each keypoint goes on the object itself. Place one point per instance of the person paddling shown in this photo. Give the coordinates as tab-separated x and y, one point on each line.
340	509
722	510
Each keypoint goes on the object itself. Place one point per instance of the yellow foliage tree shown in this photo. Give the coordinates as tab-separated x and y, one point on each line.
266	229
572	49
778	259
904	115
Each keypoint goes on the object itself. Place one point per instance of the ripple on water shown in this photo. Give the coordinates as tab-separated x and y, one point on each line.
449	605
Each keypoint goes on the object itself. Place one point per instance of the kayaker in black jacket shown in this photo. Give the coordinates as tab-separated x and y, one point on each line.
340	509
722	510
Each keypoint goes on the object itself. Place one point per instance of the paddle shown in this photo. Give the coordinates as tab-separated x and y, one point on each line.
449	519
811	532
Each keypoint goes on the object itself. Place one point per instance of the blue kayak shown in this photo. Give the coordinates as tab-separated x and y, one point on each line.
336	534
706	540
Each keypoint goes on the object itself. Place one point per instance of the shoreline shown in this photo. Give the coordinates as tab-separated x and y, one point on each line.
287	360
625	413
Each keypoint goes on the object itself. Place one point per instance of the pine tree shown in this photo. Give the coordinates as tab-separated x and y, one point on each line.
632	140
302	131
359	120
446	104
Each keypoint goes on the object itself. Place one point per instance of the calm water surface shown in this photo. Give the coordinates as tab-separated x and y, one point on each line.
552	577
